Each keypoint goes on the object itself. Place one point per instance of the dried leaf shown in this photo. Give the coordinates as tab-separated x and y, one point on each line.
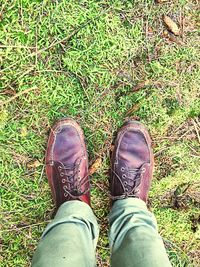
24	131
150	31
172	26
112	148
165	33
133	109
181	189
95	166
141	85
8	92
20	158
175	40
33	164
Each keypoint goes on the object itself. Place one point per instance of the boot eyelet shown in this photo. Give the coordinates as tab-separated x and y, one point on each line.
124	176
65	194
63	181
61	174
59	168
125	183
137	191
122	169
143	170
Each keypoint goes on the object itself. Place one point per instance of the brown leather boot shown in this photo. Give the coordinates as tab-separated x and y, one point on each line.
132	163
67	163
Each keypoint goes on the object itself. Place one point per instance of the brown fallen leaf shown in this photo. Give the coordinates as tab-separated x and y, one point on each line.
150	31
33	164
95	166
141	85
170	37
8	92
135	118
171	25
165	33
112	148
133	109
175	40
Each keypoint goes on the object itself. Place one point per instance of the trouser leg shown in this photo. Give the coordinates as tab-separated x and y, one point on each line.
134	237
70	239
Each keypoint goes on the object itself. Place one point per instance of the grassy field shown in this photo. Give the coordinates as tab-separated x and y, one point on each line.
100	62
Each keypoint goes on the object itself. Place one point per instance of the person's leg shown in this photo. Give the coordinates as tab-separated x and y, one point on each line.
70	240
134	237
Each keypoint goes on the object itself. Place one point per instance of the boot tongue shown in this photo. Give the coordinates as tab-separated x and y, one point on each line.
132	149
67	145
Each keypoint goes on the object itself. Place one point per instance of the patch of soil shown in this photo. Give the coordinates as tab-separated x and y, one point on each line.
188	130
183	196
165	166
195	222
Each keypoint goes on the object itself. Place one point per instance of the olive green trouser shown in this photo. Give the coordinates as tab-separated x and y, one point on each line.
70	239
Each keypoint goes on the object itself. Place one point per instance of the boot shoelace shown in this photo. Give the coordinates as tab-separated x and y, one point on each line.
71	180
130	179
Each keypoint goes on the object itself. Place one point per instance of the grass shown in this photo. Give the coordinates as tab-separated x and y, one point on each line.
85	59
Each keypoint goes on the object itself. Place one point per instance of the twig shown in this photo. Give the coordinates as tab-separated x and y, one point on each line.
196	156
97	185
36	46
21	14
66	39
39	181
26	226
197	132
146	28
26	72
141	85
176	130
98	246
156	154
184	134
57	71
17	95
182	23
144	84
17	46
197	123
133	109
193	150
